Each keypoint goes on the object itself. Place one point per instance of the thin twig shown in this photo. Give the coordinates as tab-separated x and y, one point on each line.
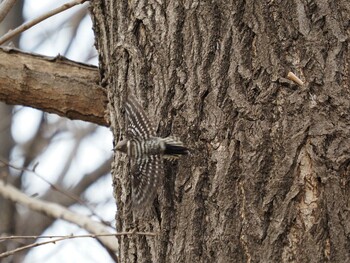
39	19
61	238
295	79
5	7
81	236
11	252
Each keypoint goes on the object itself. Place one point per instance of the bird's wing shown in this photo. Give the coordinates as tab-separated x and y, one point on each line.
146	174
138	124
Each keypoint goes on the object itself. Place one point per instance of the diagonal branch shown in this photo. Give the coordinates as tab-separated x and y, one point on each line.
59	212
5	7
39	19
54	85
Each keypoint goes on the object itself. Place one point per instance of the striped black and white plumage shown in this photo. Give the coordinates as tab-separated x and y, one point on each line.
146	152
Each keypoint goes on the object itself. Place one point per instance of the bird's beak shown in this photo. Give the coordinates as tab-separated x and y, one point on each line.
122	146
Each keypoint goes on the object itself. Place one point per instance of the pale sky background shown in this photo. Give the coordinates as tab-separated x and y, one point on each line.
93	151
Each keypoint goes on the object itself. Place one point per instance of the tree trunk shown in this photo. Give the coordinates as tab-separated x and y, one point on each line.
268	178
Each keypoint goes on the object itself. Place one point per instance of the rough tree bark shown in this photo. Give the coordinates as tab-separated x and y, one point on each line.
268	179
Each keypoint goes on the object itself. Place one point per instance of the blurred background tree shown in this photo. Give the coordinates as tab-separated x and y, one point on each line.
71	155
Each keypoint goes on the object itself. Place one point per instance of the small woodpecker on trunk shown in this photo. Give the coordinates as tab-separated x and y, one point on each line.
146	152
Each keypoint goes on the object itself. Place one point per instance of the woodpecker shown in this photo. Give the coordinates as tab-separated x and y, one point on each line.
146	152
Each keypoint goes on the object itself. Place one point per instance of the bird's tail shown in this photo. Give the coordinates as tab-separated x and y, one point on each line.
174	148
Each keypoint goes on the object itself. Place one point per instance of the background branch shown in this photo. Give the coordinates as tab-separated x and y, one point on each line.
39	19
5	7
66	198
59	212
61	238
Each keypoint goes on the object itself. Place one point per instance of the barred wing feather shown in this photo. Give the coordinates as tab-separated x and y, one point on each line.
138	126
145	179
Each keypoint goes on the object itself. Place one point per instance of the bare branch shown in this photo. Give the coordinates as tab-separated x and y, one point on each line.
57	188
39	19
11	252
55	85
153	234
61	238
5	7
59	212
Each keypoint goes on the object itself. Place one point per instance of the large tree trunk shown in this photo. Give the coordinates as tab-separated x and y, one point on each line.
268	178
